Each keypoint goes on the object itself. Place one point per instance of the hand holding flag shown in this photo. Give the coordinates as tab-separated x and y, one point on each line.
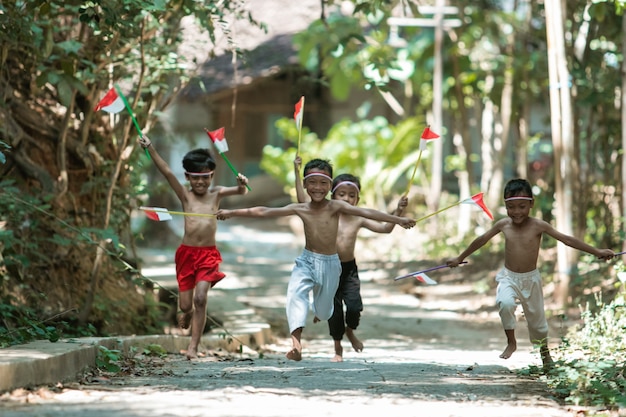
298	116
427	135
218	139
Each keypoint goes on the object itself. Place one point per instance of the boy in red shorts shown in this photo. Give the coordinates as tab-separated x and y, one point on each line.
197	259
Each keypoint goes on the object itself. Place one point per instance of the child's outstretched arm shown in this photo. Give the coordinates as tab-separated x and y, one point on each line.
476	244
576	243
259	211
163	167
300	193
346	208
387	227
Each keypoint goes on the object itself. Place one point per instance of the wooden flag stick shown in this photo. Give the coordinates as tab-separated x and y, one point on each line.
408	187
132	116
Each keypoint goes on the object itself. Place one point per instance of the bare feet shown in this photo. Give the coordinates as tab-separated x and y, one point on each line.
338	352
192	353
510	348
184	320
294	354
357	345
511	344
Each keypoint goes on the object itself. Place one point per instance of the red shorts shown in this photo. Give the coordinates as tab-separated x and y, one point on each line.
197	263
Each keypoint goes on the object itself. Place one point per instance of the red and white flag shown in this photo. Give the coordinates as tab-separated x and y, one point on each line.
477	200
217	136
158	214
111	102
427	135
425	279
298	113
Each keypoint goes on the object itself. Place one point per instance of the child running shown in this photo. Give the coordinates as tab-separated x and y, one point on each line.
347	187
197	258
318	268
520	279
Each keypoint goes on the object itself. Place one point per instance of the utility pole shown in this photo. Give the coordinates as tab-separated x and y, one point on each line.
439	23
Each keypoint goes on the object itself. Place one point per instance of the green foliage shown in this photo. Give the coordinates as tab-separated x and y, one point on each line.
355	52
58	58
3	157
591	364
28	326
107	359
381	154
154	349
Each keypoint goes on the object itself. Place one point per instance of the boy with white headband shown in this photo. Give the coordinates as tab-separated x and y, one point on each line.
520	279
318	268
347	187
197	258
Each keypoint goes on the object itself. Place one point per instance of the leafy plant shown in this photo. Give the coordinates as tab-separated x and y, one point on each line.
591	364
154	349
106	359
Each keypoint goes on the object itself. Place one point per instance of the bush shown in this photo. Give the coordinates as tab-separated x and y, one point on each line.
591	365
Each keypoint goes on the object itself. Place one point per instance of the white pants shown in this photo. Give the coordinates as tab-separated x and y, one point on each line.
525	287
317	273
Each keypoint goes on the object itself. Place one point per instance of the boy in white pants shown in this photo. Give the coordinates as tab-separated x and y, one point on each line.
318	268
519	279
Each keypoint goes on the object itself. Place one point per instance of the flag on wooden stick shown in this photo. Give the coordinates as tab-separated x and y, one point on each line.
427	135
161	214
476	200
114	102
219	141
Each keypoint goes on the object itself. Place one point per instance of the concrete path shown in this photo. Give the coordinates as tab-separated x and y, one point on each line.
423	356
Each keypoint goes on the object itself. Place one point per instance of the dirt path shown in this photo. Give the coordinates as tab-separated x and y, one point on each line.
428	351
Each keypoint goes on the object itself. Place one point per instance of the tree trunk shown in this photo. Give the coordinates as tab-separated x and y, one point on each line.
623	126
566	167
436	182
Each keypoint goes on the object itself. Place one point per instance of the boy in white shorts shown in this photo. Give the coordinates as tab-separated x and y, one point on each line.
519	279
318	268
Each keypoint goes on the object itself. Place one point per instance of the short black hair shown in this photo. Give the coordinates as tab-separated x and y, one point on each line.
321	164
518	187
198	160
346	177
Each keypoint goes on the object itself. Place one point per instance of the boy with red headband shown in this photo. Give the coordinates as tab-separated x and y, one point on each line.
197	258
520	279
347	187
318	268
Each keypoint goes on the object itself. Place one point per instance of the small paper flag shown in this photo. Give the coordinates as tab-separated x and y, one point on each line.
298	113
477	200
111	102
158	214
217	136
427	135
425	279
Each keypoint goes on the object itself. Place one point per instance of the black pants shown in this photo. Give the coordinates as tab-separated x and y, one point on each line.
348	293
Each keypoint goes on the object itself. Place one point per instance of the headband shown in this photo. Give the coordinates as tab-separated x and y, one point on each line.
345	183
199	174
317	174
518	198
